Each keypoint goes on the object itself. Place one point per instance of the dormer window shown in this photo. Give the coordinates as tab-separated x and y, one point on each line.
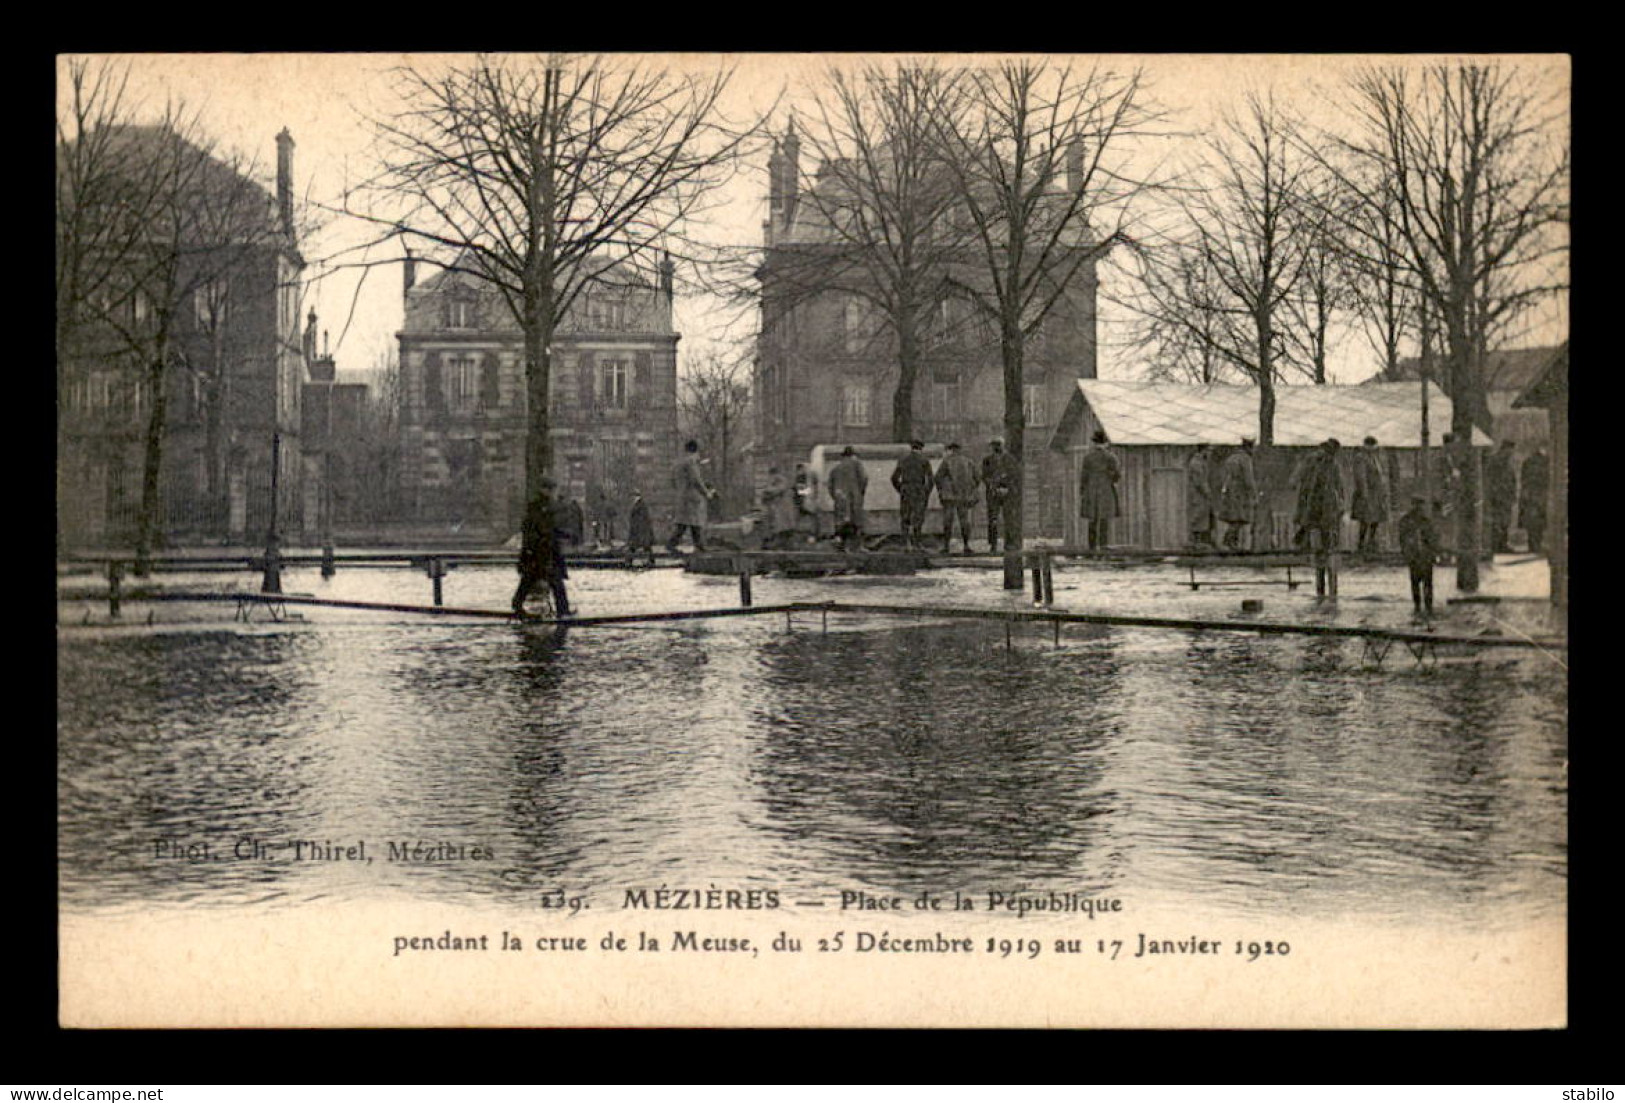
606	314
458	314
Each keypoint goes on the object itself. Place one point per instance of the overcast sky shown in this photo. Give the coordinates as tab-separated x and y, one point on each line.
325	99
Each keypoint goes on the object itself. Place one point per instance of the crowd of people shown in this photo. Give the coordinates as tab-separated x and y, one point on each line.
1219	492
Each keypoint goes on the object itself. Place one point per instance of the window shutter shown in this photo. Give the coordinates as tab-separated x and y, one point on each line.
434	395
587	369
490	382
642	379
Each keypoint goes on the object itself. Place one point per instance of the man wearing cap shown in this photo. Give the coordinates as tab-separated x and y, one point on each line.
1501	494
693	495
956	489
541	554
1320	513
911	478
1238	492
848	482
1419	542
999	475
1369	504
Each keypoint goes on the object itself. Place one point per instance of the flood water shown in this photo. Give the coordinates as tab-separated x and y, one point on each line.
1251	774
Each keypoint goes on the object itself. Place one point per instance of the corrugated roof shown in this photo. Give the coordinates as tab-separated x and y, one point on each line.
1183	413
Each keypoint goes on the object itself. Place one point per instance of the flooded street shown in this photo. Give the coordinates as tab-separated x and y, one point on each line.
1251	775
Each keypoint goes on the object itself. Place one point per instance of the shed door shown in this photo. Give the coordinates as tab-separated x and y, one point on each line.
1167	508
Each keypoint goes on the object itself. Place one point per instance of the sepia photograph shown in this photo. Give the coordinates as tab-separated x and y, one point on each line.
812	540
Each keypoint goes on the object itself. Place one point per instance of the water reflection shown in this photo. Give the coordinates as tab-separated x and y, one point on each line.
1251	773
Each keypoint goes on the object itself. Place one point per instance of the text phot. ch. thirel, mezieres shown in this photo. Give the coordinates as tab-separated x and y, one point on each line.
248	848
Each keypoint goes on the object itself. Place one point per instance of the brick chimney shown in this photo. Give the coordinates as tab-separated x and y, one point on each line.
284	180
792	172
410	276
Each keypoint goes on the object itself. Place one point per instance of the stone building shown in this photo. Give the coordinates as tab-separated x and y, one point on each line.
826	368
236	361
612	401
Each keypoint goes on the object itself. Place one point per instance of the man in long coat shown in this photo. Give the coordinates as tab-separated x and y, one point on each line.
1501	494
541	554
778	511
693	494
1319	514
911	478
999	474
1238	492
1369	503
1537	474
1199	494
956	488
640	530
1097	490
848	482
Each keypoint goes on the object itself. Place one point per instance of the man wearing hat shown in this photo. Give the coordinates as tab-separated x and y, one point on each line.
1098	473
956	488
911	478
847	483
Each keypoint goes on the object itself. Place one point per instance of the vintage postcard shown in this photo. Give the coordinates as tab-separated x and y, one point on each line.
812	540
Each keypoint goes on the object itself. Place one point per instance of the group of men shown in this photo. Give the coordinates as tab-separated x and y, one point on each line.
957	481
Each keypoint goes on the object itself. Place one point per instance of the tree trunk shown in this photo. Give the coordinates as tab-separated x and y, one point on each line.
152	460
1463	401
908	369
1015	425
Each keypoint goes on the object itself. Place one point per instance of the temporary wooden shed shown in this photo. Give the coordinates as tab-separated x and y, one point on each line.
1155	428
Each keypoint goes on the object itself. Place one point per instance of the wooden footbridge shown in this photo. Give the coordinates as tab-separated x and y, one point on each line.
1423	645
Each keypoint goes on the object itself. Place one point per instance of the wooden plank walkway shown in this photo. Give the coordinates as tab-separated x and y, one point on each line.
1007	616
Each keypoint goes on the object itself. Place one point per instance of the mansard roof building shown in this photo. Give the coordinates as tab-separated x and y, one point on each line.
612	401
826	369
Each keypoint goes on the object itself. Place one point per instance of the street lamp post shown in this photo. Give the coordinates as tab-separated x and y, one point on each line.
271	582
328	570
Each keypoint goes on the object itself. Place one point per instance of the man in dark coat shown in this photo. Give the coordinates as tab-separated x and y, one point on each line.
541	554
1501	494
1319	515
1537	475
848	482
1238	492
1369	504
911	478
640	530
956	489
1419	542
1199	495
1098	473
999	474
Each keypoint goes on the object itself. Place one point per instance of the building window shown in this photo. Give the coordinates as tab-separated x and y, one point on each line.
855	404
859	324
606	314
462	383
208	306
614	384
1033	407
943	399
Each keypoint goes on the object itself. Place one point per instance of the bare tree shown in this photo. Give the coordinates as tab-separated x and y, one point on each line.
1043	194
1228	275
1476	160
713	405
541	177
150	217
1323	292
878	207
